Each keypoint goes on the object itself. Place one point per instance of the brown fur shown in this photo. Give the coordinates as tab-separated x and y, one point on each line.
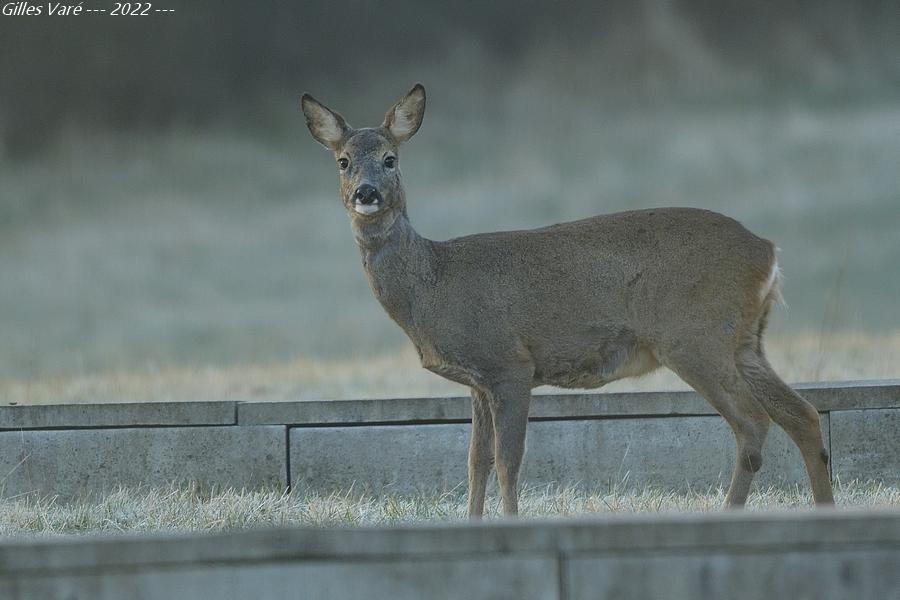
576	304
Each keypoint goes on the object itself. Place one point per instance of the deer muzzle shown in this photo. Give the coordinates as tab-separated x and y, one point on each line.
366	199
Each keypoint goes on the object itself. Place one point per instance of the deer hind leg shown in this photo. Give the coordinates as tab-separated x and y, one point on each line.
795	415
716	378
509	409
481	452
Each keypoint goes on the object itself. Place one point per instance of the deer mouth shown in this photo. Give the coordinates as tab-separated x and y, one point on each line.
366	208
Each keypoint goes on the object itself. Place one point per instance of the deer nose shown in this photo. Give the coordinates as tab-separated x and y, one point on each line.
367	194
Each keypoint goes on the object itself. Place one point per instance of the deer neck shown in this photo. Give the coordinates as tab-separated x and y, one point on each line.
399	264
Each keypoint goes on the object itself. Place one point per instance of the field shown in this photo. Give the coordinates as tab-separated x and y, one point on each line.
152	265
398	374
187	509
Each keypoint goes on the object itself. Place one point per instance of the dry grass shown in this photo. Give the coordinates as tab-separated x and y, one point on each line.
186	509
799	358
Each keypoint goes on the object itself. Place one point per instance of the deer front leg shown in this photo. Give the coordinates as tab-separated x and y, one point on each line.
481	452
509	408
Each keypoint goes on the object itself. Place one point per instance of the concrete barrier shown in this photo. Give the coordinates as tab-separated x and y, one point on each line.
675	453
670	439
139	414
867	441
73	464
830	396
822	555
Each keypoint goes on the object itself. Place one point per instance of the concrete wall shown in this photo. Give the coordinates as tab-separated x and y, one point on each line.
80	462
670	439
821	555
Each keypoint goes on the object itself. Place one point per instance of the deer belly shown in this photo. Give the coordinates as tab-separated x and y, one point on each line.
595	367
459	374
441	363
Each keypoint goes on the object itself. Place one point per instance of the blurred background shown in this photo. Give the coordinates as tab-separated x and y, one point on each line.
162	205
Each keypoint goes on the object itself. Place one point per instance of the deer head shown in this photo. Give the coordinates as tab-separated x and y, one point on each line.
368	159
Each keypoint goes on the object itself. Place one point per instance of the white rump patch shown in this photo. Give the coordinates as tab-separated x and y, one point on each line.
771	283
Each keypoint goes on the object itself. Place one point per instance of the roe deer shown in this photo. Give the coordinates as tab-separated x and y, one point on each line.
575	305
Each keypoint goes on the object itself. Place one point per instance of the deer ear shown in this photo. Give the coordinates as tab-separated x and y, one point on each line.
326	126
405	117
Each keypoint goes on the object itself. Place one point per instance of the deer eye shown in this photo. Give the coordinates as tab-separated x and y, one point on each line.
343	163
390	162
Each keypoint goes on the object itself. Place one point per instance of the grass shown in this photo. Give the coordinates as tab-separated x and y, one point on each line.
187	509
398	374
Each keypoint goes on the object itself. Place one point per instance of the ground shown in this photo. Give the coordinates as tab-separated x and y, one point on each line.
188	509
